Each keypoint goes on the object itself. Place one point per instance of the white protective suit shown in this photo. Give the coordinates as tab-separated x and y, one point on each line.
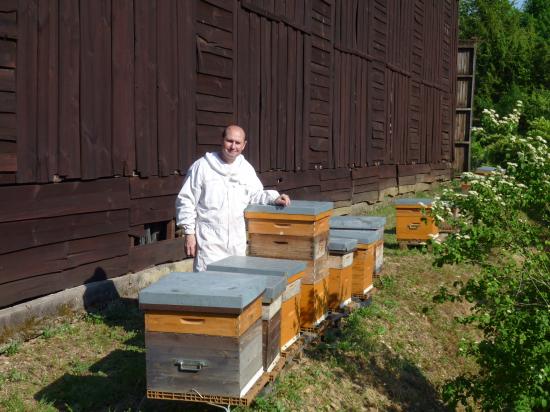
211	205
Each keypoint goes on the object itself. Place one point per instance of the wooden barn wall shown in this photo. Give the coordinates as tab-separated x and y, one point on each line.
341	100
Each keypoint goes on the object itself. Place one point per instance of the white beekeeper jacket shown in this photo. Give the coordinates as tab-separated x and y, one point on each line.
211	205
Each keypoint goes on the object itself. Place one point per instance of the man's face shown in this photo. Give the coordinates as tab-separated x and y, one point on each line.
233	144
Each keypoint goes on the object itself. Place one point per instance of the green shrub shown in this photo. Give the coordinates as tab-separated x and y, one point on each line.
502	224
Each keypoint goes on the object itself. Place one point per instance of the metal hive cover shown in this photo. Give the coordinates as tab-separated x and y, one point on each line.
357	222
259	266
204	289
339	244
362	236
297	207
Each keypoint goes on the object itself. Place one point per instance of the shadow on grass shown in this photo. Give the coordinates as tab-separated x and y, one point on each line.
398	379
360	357
116	382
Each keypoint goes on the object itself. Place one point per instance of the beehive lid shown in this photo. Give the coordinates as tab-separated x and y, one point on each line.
259	266
297	207
207	291
414	202
361	236
340	244
357	222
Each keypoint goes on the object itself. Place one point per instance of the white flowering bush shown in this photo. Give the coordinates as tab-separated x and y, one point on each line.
502	224
526	158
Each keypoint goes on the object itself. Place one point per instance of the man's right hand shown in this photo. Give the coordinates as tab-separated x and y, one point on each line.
190	245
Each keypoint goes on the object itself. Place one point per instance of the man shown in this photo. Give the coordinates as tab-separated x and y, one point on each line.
210	206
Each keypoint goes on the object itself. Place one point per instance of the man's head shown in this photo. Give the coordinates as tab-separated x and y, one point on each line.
234	142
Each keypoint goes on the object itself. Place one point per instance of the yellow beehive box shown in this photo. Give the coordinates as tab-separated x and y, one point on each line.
413	220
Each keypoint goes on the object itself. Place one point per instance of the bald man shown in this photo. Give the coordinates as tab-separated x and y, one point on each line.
210	206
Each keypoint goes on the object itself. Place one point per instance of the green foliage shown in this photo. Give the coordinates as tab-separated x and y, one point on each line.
11	349
526	158
537	104
502	224
513	49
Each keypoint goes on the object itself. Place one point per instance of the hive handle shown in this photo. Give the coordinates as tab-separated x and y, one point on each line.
191	321
281	225
414	226
190	365
280	242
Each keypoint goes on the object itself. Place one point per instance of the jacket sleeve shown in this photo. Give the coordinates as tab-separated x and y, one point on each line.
187	200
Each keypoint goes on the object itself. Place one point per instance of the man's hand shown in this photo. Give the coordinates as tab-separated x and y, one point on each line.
282	200
190	245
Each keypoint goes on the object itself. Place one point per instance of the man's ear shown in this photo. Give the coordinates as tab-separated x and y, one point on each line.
244	144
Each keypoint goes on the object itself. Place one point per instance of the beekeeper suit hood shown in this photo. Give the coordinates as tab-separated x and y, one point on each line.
211	205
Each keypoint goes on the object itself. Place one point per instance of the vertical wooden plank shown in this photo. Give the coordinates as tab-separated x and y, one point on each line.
265	118
69	89
274	92
244	63
167	89
47	112
307	90
283	90
298	128
345	96
357	111
187	69
331	157
291	99
337	6
124	151
146	86
254	97
337	80
96	88
363	113
27	90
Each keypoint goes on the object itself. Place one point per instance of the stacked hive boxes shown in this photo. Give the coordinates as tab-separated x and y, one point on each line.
299	231
349	224
203	333
413	220
341	264
363	259
290	271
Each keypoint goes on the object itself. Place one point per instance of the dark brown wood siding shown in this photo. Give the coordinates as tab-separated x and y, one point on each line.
104	104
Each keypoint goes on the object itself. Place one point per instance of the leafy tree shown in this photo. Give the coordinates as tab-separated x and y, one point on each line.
513	49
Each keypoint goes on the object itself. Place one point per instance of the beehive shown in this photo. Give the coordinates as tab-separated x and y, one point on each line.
363	258
413	220
372	223
299	232
290	270
341	265
486	170
203	333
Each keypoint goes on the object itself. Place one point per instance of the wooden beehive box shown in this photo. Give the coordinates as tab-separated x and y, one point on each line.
341	265
299	231
290	271
363	258
372	223
290	314
203	333
413	220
